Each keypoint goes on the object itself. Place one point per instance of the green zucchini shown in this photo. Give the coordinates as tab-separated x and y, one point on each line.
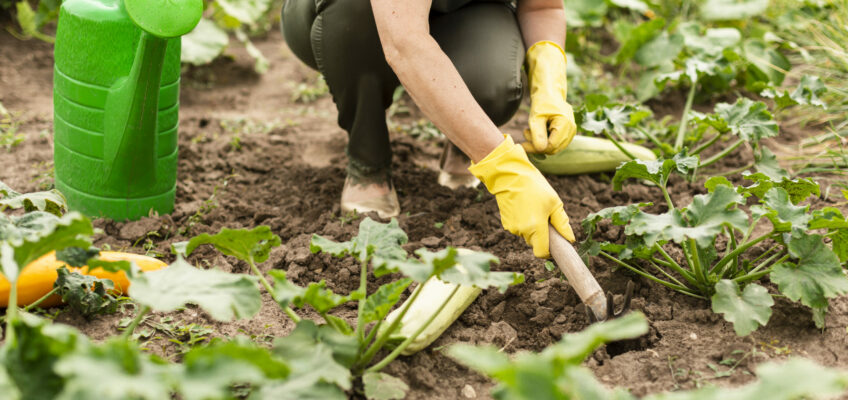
587	155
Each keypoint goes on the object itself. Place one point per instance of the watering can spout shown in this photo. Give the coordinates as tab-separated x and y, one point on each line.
133	102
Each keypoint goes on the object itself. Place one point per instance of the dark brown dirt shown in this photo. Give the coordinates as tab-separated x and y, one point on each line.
287	172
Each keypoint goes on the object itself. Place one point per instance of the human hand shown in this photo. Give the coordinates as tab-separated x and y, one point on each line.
551	121
526	200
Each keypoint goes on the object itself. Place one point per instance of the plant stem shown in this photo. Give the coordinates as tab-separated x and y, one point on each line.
712	160
620	147
696	262
773	248
652	138
667	275
382	339
396	352
706	144
664	263
134	324
676	267
372	334
644	274
291	314
667	197
363	288
12	314
739	250
684	119
756	273
41	300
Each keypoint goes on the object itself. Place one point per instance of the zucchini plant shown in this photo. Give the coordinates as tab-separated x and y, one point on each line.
556	372
334	352
706	249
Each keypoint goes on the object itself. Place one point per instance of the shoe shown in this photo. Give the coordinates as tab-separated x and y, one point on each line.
370	197
453	169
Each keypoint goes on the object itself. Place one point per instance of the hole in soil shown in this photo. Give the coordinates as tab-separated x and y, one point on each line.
641	343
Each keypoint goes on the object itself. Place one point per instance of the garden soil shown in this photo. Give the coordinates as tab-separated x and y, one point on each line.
250	155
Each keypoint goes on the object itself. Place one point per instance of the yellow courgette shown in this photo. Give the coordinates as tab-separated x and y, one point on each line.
38	277
587	155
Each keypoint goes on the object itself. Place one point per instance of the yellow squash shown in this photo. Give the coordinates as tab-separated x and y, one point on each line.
38	277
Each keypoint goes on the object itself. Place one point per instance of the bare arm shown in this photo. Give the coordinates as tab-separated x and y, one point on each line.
430	77
542	20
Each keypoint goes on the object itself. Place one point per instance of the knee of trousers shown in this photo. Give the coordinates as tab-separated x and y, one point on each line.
296	25
500	100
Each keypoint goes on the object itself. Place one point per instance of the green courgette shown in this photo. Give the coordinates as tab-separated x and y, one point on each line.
587	155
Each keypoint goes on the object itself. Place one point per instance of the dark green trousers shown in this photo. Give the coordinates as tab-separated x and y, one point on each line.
339	39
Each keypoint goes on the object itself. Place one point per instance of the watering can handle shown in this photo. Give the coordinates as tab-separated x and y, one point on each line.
165	18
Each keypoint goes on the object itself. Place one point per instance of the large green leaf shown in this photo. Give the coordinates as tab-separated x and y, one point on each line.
50	201
284	290
299	389
702	221
657	171
766	66
746	118
245	11
86	294
473	269
315	294
7	386
575	347
619	215
379	303
710	42
551	374
114	370
809	92
36	234
247	245
30	361
380	386
660	50
784	215
580	13
798	189
210	371
746	310
312	360
816	277
724	10
637	37
320	298
205	43
383	241
224	296
794	379
307	335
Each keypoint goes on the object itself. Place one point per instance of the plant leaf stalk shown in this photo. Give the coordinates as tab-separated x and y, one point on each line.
135	322
382	339
363	288
291	314
681	289
12	314
619	146
718	156
684	118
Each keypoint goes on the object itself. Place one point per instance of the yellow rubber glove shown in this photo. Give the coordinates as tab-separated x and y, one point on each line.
549	109
526	200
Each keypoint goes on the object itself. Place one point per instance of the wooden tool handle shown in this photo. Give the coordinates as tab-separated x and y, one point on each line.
578	275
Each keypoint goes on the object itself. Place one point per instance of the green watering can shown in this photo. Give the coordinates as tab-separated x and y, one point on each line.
116	102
